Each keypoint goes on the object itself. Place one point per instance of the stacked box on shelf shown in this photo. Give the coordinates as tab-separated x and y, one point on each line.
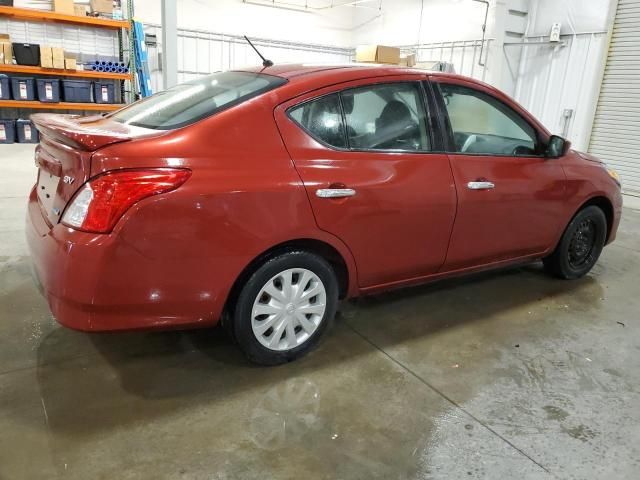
104	92
22	88
51	88
48	90
26	53
5	91
26	132
7	131
76	91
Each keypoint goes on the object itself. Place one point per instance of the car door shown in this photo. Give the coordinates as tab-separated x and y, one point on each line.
509	193
374	176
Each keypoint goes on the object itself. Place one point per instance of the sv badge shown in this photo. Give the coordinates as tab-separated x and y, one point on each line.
68	180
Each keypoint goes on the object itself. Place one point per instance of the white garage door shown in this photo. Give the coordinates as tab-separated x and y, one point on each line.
616	130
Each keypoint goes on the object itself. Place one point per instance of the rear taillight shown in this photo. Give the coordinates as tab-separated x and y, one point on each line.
100	203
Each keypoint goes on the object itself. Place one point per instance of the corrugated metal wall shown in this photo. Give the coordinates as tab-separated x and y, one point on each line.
201	52
555	83
615	137
468	57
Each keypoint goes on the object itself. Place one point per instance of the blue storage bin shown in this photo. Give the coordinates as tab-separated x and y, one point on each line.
23	88
48	90
78	91
5	93
104	92
26	132
7	131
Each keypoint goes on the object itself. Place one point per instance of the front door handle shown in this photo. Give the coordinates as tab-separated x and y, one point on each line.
335	192
484	185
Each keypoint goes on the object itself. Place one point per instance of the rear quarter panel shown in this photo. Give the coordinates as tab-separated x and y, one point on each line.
186	248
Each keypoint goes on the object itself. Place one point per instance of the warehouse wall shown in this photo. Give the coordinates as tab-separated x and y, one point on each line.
330	27
456	23
399	22
554	80
201	52
548	80
558	83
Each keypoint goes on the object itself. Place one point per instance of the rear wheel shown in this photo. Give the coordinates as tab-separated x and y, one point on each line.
580	245
284	307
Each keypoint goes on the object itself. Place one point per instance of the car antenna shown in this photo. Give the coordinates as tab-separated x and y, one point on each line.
265	62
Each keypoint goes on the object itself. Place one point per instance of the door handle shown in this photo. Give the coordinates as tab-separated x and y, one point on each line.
335	192
484	185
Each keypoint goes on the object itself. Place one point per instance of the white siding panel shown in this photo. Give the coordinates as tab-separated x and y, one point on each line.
201	52
89	43
615	136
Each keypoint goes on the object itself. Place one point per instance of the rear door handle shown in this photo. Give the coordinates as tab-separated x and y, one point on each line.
335	192
484	185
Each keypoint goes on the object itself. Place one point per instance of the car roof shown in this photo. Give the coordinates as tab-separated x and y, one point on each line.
305	77
292	70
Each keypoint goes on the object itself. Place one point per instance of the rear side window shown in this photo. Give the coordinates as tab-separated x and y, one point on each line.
375	117
322	118
189	102
386	117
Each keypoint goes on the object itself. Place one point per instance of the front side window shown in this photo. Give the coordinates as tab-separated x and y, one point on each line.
386	117
482	124
189	102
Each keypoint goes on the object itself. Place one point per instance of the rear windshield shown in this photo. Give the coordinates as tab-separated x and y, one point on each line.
189	102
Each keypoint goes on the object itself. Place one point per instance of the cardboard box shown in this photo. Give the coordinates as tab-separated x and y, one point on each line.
6	51
63	6
57	54
80	10
378	54
46	57
101	6
408	60
70	62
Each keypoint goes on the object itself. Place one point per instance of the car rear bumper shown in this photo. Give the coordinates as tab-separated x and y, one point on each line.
98	282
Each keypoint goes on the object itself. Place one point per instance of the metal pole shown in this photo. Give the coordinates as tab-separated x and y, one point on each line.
484	30
169	43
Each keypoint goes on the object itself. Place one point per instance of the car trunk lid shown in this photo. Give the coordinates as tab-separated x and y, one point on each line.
63	156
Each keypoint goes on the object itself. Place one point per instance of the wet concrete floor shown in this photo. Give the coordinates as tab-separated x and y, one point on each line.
504	375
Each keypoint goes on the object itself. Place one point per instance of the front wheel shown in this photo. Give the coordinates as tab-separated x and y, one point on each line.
580	245
284	307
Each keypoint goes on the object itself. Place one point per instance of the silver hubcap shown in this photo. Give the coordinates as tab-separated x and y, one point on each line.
288	309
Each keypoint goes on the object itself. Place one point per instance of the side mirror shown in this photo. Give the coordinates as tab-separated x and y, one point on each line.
557	147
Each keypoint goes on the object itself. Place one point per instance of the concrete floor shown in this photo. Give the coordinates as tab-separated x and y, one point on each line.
505	375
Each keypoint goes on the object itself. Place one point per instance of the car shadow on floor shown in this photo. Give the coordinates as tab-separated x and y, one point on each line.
132	378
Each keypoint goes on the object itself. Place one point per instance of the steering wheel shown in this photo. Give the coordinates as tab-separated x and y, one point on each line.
471	139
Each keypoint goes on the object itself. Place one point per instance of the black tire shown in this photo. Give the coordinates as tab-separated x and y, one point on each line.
580	245
241	321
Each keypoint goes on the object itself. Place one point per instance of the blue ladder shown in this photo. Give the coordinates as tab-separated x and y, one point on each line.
142	60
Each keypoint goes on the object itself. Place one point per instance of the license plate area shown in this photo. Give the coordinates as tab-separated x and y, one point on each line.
47	188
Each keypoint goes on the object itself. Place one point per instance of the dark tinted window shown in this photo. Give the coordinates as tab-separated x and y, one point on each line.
322	118
189	102
386	117
482	124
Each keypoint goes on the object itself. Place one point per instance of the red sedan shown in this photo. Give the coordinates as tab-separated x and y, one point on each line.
263	196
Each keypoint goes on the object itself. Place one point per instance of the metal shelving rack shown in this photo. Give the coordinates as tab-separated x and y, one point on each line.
123	28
